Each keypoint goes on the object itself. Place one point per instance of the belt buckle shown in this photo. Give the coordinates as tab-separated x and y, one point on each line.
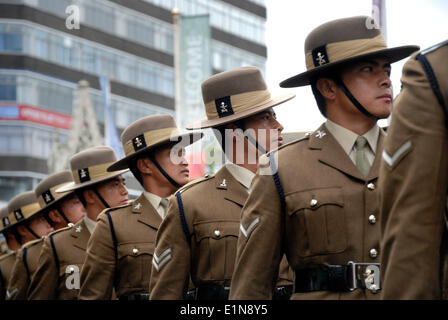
371	276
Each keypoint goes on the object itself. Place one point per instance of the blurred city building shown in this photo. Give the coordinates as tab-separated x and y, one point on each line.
42	58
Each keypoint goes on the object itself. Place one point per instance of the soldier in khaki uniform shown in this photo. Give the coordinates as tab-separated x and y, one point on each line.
198	237
62	209
414	182
64	252
120	250
7	260
32	226
315	199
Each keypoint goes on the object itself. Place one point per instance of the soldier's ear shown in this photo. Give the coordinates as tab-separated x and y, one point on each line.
327	88
89	196
22	230
145	166
54	215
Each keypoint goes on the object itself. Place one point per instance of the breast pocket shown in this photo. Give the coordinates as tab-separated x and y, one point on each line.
215	249
316	221
134	263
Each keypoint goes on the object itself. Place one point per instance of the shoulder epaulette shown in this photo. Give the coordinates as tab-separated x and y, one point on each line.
195	182
51	234
7	255
32	243
118	207
305	137
434	47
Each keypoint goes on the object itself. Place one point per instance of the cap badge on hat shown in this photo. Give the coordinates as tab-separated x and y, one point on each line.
84	174
18	214
139	142
48	197
320	56
224	107
6	222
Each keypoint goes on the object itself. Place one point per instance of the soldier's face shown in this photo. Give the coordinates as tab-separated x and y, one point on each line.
73	208
267	129
177	170
114	191
40	226
11	240
369	82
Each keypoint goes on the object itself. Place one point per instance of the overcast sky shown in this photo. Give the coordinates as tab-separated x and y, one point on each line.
409	22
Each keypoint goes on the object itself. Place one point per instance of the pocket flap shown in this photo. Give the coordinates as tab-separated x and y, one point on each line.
135	249
216	229
313	199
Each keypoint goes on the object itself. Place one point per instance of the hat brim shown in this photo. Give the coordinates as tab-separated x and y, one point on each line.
207	123
124	163
73	186
51	205
392	54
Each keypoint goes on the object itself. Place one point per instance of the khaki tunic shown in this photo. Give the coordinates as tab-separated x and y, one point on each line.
24	269
6	264
212	210
135	228
51	282
333	230
414	184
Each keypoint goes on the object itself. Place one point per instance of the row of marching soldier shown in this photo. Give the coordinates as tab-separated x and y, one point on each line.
319	218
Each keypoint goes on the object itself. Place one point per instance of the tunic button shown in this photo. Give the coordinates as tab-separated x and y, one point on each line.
135	251
372	219
371	186
217	233
313	202
373	253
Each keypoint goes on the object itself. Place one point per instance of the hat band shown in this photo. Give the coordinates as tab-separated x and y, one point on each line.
24	212
91	173
50	196
5	222
237	103
149	139
337	51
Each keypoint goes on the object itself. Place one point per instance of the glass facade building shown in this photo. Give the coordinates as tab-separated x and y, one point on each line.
129	42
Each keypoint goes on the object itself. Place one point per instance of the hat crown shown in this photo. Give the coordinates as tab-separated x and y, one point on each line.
346	29
232	82
22	200
53	181
147	124
92	157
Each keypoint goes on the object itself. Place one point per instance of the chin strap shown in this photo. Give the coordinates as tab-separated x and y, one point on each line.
62	214
16	235
171	180
355	102
251	139
101	198
31	230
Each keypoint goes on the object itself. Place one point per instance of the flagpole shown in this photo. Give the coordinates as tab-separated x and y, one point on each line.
177	72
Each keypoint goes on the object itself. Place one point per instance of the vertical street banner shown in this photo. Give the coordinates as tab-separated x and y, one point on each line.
111	138
194	65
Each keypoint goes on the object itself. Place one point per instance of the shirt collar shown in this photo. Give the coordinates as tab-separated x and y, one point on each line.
241	174
347	138
90	224
153	199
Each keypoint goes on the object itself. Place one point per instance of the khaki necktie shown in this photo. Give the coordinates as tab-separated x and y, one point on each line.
164	205
362	163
